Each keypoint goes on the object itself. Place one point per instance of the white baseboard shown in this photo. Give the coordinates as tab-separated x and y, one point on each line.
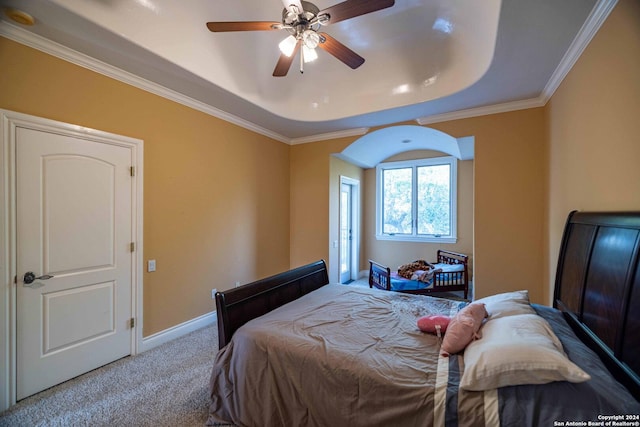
177	331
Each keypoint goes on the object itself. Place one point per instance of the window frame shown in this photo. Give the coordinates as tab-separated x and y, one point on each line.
452	237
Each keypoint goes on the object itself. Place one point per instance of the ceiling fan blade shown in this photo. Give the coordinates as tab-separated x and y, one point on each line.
340	51
352	8
284	62
243	26
296	3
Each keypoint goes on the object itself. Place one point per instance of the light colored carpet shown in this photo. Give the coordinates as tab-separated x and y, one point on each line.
165	386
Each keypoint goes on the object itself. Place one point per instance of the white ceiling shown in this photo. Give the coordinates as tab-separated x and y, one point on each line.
425	60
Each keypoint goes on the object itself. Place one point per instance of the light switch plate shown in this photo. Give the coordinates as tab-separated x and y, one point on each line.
151	265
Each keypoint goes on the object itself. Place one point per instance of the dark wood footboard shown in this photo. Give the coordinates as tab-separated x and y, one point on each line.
380	276
237	306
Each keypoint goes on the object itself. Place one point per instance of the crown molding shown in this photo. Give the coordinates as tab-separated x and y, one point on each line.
598	15
329	135
482	111
596	18
45	45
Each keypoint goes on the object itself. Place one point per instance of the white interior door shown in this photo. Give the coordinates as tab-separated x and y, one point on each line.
74	224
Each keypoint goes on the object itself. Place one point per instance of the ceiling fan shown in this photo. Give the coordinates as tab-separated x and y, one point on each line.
303	21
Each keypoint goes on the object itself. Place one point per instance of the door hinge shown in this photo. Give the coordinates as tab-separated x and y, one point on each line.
132	246
132	169
132	323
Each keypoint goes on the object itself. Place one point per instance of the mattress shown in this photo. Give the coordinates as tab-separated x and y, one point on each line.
345	355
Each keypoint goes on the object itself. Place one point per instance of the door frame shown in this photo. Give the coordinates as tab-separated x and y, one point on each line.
9	121
355	223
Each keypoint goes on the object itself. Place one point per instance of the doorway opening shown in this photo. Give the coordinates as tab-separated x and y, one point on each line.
348	250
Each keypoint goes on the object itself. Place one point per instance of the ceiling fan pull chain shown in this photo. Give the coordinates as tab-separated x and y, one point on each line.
301	61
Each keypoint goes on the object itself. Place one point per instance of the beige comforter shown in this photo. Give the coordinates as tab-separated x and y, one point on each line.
339	356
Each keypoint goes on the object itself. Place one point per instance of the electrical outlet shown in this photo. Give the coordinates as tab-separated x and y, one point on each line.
151	265
237	284
213	293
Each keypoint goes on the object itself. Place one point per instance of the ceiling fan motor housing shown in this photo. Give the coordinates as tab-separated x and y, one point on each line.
304	21
310	11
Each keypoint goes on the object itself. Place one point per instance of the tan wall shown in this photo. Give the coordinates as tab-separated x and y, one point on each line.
310	171
509	167
594	129
216	196
395	253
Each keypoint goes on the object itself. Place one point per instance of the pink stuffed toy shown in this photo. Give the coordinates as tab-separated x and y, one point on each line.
463	328
434	324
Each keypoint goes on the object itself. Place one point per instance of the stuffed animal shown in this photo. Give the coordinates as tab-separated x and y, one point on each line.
464	328
407	270
434	324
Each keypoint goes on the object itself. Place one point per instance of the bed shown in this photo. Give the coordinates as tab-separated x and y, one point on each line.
295	350
452	275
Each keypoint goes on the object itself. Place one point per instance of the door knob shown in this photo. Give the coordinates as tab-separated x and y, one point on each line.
29	277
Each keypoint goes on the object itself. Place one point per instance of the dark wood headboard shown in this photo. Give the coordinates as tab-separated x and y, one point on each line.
598	288
237	306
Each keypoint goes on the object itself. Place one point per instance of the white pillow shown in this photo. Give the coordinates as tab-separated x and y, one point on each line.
507	304
515	350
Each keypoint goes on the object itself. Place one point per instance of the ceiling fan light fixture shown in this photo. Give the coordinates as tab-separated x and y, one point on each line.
309	54
303	20
288	45
290	18
294	9
323	18
310	39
